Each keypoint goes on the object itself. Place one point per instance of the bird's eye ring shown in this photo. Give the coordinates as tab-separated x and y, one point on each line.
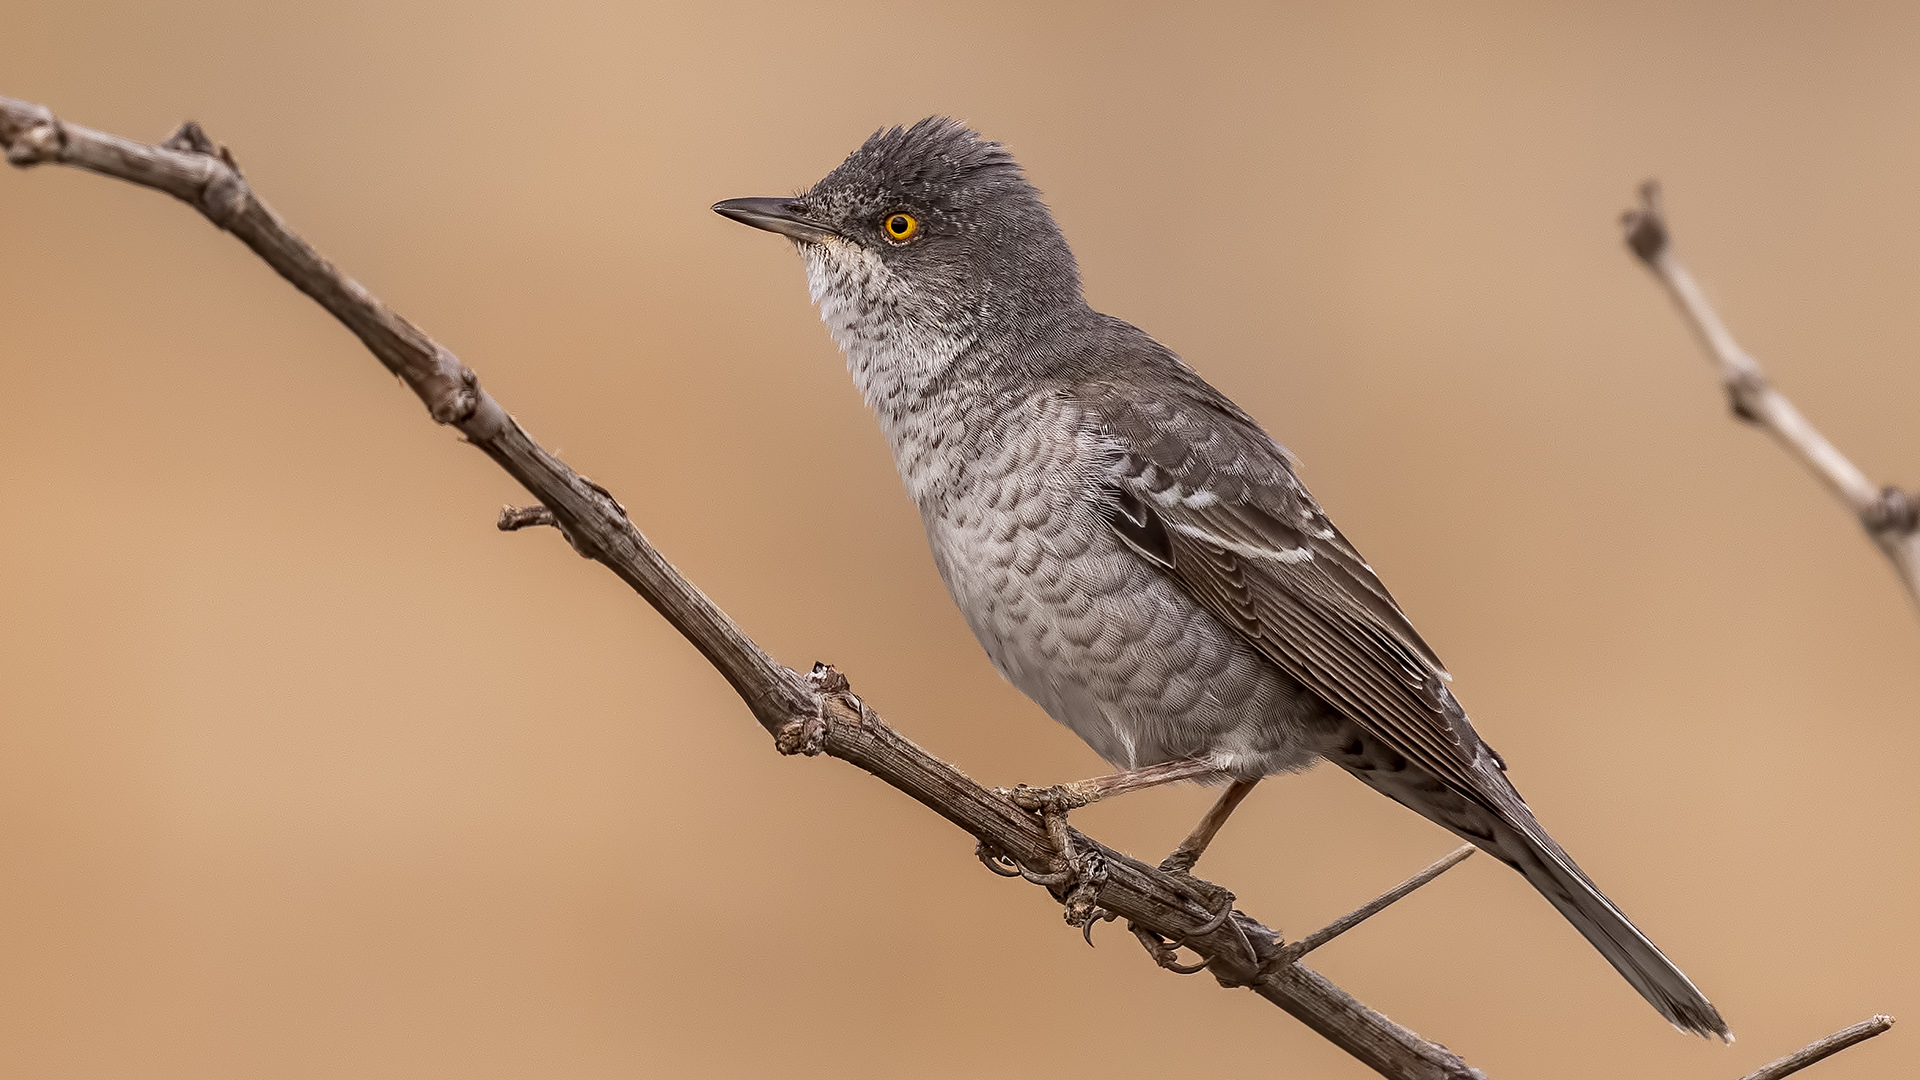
900	228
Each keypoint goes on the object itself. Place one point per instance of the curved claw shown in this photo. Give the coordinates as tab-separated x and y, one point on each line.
996	860
1213	923
1225	918
1007	866
1053	880
1098	914
1164	955
1253	954
1184	969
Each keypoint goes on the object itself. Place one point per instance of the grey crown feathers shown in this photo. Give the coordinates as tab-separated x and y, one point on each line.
1134	552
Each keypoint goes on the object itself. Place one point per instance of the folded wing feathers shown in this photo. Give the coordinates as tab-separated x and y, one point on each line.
1257	551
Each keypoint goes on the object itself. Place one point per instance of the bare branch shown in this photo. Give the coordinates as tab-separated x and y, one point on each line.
1890	516
1375	906
1821	1050
806	714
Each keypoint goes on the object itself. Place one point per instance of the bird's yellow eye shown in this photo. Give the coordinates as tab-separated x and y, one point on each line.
900	228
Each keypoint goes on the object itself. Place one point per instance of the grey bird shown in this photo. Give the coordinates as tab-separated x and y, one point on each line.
1133	550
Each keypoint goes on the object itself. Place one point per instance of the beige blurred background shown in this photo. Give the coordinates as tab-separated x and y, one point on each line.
305	771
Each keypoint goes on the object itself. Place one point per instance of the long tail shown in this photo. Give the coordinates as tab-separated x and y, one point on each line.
1507	831
1525	846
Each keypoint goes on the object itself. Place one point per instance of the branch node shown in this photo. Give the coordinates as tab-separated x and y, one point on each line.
223	194
807	735
515	518
1894	514
622	511
1745	387
223	198
1646	225
460	396
191	138
39	140
824	678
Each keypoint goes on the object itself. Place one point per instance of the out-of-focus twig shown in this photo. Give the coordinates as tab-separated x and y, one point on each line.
1821	1050
1890	516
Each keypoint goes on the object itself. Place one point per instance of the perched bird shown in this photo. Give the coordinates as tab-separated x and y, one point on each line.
1133	550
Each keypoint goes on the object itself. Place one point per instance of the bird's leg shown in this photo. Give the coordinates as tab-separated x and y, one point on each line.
1083	874
1181	863
1188	853
1061	798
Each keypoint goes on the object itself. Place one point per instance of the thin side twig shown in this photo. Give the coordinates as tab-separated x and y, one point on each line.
515	518
1890	516
806	714
1374	906
1821	1050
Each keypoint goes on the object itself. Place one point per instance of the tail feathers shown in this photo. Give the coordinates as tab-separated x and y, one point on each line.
1526	847
1510	834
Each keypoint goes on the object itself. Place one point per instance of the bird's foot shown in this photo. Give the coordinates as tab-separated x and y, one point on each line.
1164	954
996	860
1089	875
1180	862
1056	800
1075	877
1052	804
1215	907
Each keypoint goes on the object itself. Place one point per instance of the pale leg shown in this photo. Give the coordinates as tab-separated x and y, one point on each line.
1195	845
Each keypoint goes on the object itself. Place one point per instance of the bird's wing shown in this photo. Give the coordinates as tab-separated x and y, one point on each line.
1200	489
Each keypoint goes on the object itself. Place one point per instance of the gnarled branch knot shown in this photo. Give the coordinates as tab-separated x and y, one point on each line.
223	195
1895	514
1745	388
38	141
808	734
456	401
1646	226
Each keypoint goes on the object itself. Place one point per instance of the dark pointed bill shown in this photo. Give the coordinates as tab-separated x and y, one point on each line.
775	215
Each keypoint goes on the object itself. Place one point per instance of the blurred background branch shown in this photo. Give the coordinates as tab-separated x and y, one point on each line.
1890	516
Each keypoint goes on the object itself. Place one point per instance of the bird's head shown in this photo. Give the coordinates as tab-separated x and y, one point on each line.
928	227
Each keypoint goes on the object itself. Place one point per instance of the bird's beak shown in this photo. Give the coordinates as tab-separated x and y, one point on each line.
775	215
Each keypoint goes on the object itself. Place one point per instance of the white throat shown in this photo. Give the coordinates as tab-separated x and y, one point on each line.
896	349
895	343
